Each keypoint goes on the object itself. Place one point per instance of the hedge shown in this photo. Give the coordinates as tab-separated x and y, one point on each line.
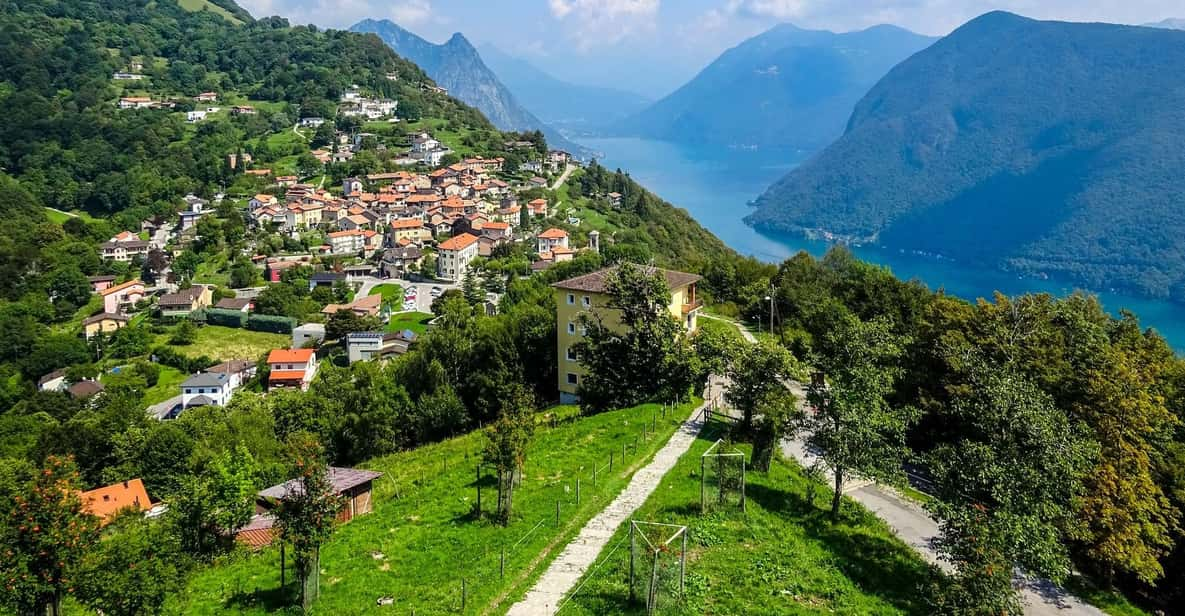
187	365
272	324
226	318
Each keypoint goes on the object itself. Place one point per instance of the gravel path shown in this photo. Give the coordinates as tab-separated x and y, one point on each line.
567	569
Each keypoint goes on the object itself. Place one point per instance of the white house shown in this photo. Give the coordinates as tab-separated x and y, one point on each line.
195	116
206	389
454	255
551	239
312	122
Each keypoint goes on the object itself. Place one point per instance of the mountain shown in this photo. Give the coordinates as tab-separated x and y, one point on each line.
787	88
1169	24
1046	148
559	102
457	67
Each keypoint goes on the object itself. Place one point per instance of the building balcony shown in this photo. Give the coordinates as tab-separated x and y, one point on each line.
692	306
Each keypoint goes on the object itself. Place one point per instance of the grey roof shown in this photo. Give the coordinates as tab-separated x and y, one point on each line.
363	335
201	401
329	276
61	372
232	366
83	389
341	479
595	282
205	379
233	303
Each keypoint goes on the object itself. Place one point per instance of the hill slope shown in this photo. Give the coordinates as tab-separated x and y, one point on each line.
1170	24
457	67
559	102
787	88
1044	147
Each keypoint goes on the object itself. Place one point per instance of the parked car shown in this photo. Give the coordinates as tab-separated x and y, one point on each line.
436	291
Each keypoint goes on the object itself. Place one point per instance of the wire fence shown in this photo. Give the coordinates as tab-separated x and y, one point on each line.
499	564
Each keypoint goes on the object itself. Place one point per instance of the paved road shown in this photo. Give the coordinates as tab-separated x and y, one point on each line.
910	522
567	569
914	526
423	289
563	176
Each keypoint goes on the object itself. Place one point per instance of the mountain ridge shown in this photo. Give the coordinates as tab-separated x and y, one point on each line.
457	66
557	101
786	88
1044	148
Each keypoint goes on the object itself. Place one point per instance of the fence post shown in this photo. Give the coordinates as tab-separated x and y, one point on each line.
502	564
577	490
632	560
594	475
557	513
623	452
479	491
611	461
464	591
703	503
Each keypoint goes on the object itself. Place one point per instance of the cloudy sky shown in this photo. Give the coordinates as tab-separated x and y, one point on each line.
664	42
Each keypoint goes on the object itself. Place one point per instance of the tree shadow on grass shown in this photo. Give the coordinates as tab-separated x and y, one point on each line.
876	564
270	599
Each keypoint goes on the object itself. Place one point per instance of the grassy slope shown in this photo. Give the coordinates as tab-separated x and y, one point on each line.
423	526
206	5
223	343
781	557
415	321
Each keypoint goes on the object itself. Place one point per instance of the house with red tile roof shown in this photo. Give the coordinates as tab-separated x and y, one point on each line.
109	501
291	368
454	255
551	239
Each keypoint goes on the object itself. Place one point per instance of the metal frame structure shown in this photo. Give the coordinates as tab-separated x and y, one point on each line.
655	550
713	452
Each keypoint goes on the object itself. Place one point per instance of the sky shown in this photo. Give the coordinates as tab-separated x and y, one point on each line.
653	46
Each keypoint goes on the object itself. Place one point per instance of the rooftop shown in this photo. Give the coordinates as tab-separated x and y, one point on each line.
459	242
596	281
105	502
206	379
341	479
285	356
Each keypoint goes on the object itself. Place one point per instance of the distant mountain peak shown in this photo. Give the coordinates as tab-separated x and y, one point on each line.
457	66
787	88
1048	148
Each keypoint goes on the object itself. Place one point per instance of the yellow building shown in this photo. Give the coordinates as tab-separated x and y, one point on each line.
103	323
587	294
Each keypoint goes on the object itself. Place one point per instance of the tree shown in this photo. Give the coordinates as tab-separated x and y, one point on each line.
44	539
472	289
852	425
68	289
428	266
185	334
647	357
306	514
278	300
133	570
346	321
758	386
217	502
186	264
506	445
1005	487
243	274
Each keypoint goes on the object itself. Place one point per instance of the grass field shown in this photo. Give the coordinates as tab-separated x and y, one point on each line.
415	321
781	556
223	343
392	293
206	5
422	538
60	217
167	386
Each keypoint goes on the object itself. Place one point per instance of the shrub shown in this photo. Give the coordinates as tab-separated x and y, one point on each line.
272	324
226	318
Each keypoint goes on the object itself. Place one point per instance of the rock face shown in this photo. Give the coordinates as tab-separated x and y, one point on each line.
1046	148
456	66
787	88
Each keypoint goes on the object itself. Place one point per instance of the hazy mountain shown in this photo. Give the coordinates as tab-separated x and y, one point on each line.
1044	147
1170	24
456	66
787	88
559	102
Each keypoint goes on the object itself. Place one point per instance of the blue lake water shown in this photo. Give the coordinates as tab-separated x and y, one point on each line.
716	187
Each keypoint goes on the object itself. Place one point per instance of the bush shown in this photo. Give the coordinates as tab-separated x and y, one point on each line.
226	318
272	324
185	334
188	365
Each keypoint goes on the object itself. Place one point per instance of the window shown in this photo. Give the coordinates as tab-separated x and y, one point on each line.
586	301
572	378
571	328
571	354
571	299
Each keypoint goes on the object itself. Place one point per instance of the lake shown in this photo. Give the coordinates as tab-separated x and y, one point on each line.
716	186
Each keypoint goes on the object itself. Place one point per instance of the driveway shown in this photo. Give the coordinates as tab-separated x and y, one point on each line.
423	289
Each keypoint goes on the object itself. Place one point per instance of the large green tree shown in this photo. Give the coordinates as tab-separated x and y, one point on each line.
634	350
853	425
307	513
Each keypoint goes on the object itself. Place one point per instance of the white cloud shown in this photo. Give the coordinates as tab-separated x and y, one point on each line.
604	22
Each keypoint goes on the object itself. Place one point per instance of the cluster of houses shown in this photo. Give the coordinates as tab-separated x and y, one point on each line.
354	104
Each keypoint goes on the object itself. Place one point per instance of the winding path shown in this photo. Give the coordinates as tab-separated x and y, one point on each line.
566	570
914	526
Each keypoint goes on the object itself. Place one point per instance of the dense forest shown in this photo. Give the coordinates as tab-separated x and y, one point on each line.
1046	148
